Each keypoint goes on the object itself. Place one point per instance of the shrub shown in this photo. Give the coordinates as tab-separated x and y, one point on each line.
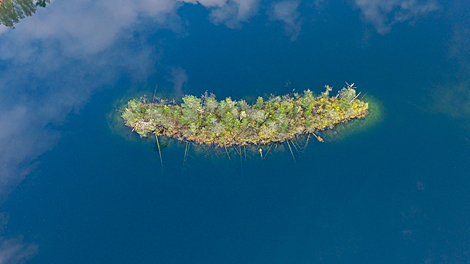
210	104
307	99
192	102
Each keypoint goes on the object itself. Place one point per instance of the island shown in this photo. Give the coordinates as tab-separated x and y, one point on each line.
205	120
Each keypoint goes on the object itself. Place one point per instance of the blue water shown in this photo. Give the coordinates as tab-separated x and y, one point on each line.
395	192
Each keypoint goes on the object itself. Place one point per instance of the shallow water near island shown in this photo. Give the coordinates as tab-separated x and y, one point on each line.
394	190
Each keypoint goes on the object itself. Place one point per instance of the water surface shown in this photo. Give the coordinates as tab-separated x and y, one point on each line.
394	192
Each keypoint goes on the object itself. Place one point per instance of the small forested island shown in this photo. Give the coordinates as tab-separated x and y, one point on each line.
228	122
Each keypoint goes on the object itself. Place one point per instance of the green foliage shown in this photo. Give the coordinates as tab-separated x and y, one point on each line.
235	113
189	116
230	104
259	102
192	102
211	118
327	91
259	115
347	96
210	104
42	3
308	110
243	105
308	98
12	11
281	119
284	127
228	120
222	107
275	99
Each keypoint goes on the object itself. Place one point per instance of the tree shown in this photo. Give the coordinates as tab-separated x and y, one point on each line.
11	11
210	103
308	98
327	91
347	96
259	102
192	102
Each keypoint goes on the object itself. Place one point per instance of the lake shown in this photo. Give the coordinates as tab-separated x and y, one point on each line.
78	187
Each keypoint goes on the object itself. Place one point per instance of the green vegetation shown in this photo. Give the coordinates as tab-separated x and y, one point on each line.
229	122
11	11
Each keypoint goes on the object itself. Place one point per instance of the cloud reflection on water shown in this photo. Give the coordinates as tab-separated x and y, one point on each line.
55	60
287	11
51	64
383	14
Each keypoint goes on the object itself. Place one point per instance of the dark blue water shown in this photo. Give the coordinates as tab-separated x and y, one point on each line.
393	192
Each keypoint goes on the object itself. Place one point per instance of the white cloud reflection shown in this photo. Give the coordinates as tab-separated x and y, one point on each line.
51	64
14	251
69	52
229	12
287	12
382	14
178	78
